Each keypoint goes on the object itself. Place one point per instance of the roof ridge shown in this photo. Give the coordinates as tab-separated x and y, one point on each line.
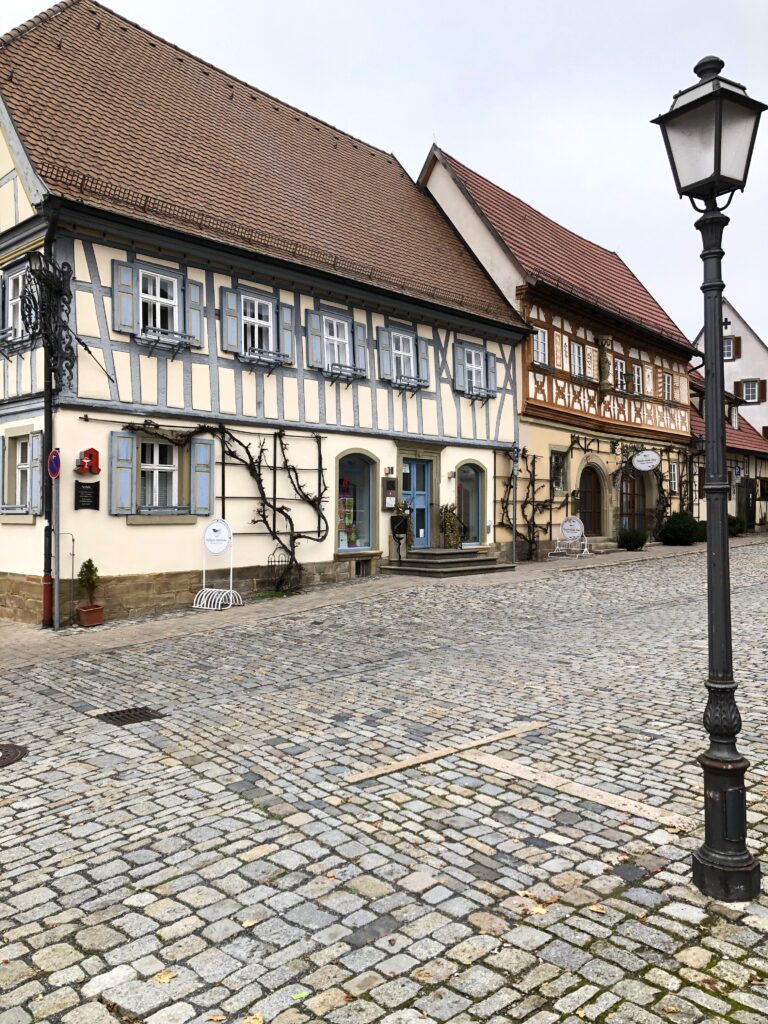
38	19
611	252
63	5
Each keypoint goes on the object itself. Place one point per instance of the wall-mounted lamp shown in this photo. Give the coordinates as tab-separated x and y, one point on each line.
389	471
451	474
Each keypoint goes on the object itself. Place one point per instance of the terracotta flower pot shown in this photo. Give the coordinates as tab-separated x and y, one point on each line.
92	616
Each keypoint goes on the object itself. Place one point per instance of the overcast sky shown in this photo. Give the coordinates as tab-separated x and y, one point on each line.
550	99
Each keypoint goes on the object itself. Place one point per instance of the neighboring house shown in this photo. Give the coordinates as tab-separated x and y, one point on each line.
746	460
603	375
745	362
282	328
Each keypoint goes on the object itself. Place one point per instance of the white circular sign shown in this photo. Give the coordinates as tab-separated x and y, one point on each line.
217	537
572	528
646	460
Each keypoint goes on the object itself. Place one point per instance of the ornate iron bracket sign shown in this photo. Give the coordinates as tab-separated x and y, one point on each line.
46	302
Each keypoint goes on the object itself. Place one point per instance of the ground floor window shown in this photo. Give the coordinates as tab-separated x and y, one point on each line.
632	514
22	472
354	526
159	475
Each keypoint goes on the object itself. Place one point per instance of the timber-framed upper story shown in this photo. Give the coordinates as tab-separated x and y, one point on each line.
603	353
248	261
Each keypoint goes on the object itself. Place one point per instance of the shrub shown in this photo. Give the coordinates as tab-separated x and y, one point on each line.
632	540
701	530
450	526
680	529
88	578
736	525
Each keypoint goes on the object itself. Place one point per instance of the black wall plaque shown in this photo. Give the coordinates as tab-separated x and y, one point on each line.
86	495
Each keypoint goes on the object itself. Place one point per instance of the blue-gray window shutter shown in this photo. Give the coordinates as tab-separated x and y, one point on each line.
314	339
422	354
36	473
361	345
385	353
202	464
194	302
2	470
125	297
490	376
122	473
230	320
285	317
459	367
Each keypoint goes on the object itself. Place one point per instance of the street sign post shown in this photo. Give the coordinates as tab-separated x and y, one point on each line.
54	472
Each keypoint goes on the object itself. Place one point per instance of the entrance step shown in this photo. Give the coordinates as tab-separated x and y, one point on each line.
447	562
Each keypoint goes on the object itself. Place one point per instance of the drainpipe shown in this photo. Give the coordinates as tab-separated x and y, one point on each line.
51	208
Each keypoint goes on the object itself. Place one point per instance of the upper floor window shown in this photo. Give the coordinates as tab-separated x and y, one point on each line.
159	302
403	356
257	325
336	342
541	346
474	361
577	359
728	347
15	288
674	478
667	387
620	374
159	475
637	373
751	391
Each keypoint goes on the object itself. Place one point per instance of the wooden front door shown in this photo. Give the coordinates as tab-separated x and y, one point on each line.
632	514
417	487
590	502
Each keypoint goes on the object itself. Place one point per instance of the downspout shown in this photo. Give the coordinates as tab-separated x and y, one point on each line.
51	209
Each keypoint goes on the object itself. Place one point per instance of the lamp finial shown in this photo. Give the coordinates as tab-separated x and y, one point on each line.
709	67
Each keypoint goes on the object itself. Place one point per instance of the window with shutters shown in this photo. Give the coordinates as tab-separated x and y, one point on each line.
751	391
620	374
403	356
667	387
159	476
637	374
159	296
258	327
337	343
474	362
728	347
577	359
541	346
16	488
674	478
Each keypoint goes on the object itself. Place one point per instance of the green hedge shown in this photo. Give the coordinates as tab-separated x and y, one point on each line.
679	529
632	540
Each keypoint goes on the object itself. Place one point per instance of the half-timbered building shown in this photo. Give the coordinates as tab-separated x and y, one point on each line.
270	323
603	375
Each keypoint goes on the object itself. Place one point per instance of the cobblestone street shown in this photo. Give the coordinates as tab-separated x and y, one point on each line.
226	862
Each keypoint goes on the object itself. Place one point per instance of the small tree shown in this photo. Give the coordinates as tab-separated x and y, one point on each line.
88	578
450	526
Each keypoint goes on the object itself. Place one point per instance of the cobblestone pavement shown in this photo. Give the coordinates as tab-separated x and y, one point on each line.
218	864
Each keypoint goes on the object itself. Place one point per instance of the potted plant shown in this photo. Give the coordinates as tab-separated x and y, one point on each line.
91	614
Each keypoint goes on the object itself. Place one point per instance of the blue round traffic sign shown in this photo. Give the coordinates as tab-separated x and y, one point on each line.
54	464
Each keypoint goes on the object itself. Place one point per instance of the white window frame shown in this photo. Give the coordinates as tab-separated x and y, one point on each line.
541	346
728	347
474	369
751	384
637	372
156	303
252	324
333	342
403	355
674	478
22	471
667	391
13	304
156	468
577	359
620	374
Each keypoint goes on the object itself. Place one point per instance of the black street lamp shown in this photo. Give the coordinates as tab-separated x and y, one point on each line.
710	133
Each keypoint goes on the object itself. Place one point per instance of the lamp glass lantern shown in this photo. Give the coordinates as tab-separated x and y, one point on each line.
710	132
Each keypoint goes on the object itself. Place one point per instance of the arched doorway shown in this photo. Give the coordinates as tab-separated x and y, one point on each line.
591	502
354	517
469	480
632	514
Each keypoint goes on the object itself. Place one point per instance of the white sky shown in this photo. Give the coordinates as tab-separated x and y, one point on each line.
551	99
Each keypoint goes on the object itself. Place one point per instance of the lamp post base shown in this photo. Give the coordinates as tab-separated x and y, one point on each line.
730	883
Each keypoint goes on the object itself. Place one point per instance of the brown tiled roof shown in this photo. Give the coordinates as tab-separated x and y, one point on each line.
745	439
116	118
552	254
